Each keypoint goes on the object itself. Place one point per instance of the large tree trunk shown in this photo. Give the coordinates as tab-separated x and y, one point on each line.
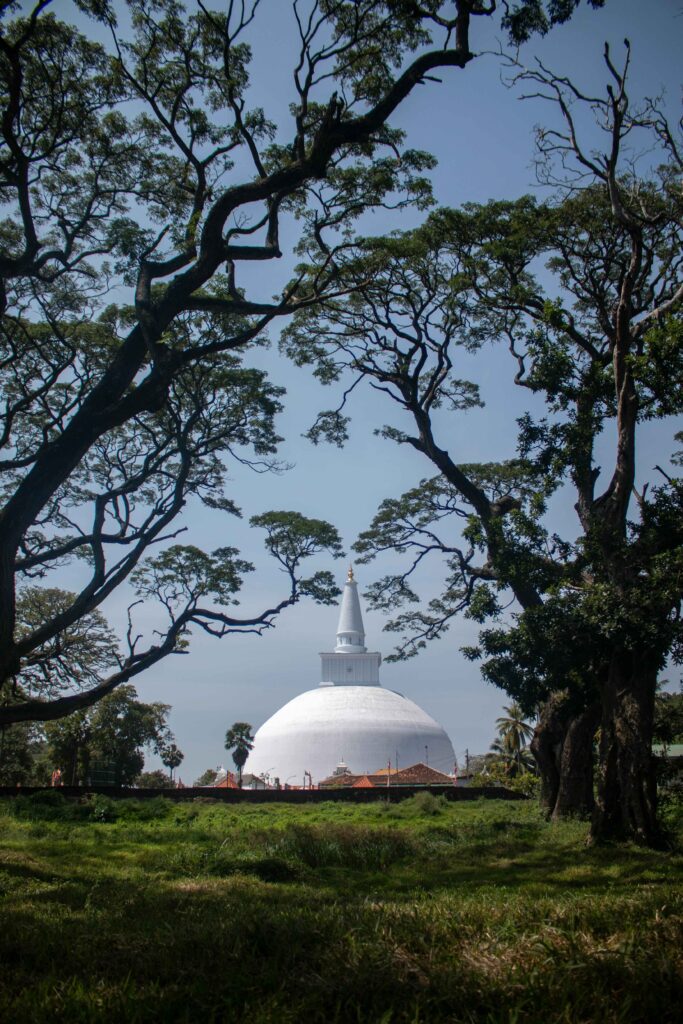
546	747
575	791
562	746
626	806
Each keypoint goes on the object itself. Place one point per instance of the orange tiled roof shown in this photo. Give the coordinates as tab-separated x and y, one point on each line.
415	775
420	775
363	783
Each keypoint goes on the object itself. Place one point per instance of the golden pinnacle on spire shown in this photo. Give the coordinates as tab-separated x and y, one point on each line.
349	575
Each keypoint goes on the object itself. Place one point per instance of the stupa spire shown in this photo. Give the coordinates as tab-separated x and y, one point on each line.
350	631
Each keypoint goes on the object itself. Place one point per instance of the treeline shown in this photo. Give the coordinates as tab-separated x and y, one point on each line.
106	743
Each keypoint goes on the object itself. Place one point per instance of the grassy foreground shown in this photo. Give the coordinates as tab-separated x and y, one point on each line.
422	912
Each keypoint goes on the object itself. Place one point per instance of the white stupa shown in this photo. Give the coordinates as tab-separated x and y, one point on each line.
348	718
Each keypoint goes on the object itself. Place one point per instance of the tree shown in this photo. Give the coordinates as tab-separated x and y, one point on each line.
207	778
136	181
239	740
114	733
75	658
22	756
154	780
68	747
172	756
601	346
668	720
514	732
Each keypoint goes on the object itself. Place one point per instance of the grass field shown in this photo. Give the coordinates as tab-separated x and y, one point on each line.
419	912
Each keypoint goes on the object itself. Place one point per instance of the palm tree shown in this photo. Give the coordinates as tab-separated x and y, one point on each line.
239	740
514	732
171	756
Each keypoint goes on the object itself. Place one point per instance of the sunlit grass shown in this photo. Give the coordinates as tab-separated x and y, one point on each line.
419	912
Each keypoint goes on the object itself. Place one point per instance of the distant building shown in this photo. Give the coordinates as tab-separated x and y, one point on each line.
415	775
224	780
250	781
350	720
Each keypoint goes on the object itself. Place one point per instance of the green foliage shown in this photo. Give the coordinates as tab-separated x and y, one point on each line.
525	18
52	805
114	732
206	778
370	849
156	779
473	274
75	657
239	740
497	773
23	759
125	133
668	726
45	805
422	805
185	573
291	538
172	756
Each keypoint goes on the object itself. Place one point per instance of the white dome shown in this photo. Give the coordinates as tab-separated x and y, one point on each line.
366	726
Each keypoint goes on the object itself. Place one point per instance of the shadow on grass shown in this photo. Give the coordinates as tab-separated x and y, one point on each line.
237	948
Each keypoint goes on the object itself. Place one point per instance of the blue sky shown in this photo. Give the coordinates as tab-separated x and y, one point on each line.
482	135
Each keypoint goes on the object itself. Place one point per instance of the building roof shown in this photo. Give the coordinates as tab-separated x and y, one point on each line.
416	775
420	774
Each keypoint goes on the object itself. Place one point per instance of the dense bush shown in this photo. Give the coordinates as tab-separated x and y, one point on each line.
52	805
497	775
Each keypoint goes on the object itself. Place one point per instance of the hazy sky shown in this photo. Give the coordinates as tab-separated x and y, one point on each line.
482	135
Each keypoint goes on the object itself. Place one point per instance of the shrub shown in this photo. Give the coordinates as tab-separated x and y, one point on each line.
495	775
102	808
144	810
422	805
46	805
154	780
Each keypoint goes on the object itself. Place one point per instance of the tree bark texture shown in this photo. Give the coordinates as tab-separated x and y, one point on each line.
562	747
626	805
575	790
546	747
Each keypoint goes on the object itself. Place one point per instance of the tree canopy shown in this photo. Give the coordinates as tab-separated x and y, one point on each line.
239	741
135	180
111	737
138	181
597	337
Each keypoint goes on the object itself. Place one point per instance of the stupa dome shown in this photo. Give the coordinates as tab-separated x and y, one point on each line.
350	717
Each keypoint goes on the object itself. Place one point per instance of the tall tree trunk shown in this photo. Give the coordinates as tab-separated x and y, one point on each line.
546	747
562	746
575	791
626	806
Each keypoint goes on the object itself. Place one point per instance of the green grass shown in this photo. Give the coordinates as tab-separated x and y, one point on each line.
423	912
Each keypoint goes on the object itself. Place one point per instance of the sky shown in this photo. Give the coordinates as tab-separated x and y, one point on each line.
482	135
